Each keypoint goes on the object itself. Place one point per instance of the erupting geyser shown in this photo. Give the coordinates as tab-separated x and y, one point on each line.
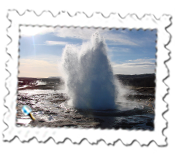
88	75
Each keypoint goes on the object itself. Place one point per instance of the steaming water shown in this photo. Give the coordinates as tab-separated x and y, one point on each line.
89	76
122	102
39	82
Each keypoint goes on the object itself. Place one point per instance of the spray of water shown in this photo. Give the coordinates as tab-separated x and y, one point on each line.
88	75
122	101
122	91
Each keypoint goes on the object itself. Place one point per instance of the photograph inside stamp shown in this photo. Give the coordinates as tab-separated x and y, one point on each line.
86	78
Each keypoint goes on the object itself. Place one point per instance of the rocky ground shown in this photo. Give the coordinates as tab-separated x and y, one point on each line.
49	111
54	115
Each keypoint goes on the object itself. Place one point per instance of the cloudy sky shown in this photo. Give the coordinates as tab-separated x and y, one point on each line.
41	48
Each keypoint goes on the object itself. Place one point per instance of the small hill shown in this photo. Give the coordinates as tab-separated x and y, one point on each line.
137	80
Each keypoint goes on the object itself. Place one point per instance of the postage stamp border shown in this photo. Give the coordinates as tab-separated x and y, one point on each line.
130	22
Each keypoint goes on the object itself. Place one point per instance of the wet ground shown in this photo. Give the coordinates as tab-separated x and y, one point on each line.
49	107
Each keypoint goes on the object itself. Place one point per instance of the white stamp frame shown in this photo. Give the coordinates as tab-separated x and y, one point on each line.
64	19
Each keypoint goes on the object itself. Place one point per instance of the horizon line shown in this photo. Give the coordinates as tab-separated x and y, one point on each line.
61	76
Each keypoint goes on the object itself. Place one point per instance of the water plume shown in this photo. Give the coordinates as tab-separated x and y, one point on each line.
88	75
